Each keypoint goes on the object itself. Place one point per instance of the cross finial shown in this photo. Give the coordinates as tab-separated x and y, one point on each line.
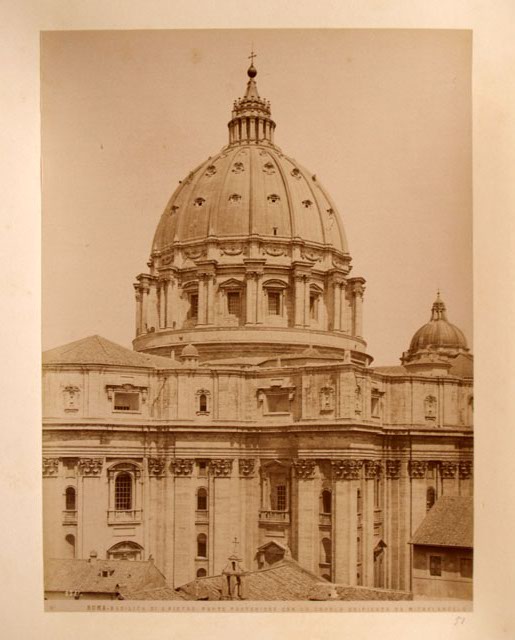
235	543
252	55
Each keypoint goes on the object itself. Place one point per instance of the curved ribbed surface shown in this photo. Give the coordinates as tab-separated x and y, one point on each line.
249	190
438	333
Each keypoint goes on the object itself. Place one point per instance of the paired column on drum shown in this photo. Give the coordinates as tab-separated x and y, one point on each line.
254	290
142	289
301	276
206	288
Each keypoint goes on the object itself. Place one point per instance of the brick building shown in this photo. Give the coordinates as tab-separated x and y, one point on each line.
250	407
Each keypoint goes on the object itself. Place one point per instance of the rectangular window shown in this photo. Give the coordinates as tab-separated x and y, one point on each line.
126	401
435	565
377	493
281	497
313	307
278	403
233	303
375	407
466	567
194	305
202	469
274	303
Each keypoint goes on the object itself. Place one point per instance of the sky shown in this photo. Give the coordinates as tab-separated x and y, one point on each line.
382	117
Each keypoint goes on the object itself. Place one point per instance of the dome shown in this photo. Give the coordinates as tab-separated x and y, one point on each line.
250	190
250	256
189	351
437	335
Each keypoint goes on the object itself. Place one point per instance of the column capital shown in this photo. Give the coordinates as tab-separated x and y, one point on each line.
247	467
182	467
417	469
346	469
465	468
221	467
373	469
50	467
90	466
448	469
304	468
393	469
156	467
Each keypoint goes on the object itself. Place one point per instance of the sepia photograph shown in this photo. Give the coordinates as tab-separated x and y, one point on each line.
257	320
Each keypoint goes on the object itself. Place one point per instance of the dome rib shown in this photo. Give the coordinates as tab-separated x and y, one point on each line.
315	198
223	181
293	228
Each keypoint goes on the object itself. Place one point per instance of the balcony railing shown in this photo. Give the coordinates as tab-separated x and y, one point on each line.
130	515
70	516
325	518
279	517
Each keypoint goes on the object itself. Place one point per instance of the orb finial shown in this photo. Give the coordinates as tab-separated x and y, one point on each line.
252	71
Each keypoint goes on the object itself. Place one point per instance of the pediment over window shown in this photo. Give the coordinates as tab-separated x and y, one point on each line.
232	283
275	284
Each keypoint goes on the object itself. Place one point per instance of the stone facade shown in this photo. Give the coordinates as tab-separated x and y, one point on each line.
271	424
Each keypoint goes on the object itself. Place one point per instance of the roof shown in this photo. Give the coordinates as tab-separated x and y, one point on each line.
286	580
154	593
449	523
98	350
87	576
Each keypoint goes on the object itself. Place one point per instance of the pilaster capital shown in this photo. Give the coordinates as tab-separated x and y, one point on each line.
373	469
465	468
448	469
417	469
393	469
50	467
304	469
156	466
346	469
90	466
182	467
221	467
247	467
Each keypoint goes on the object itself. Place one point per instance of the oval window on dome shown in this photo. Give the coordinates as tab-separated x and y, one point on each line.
234	198
273	198
211	170
199	202
295	173
307	203
238	167
269	168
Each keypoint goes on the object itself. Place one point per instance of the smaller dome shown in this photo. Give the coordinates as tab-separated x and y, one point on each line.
189	351
437	335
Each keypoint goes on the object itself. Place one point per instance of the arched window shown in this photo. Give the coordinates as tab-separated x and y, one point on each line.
202	545
326	501
430	497
70	499
325	551
202	499
70	546
123	492
202	402
201	573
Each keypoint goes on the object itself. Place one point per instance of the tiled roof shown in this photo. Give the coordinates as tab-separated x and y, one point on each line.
449	523
286	580
156	593
87	576
395	370
98	350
